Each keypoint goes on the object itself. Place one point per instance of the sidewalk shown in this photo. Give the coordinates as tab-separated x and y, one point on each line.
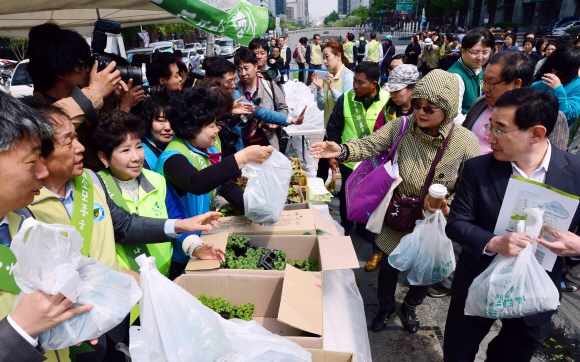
397	345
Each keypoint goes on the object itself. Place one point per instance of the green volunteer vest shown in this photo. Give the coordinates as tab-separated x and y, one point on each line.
373	53
348	48
359	122
151	203
472	83
198	161
283	53
315	54
329	102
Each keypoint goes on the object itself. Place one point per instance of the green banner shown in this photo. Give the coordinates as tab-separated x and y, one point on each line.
241	23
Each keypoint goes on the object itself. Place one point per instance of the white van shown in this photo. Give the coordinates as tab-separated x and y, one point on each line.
20	83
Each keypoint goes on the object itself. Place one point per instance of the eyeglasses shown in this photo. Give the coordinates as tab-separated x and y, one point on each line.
490	85
497	132
426	109
478	53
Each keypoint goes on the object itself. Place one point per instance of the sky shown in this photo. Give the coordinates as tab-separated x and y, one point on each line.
318	8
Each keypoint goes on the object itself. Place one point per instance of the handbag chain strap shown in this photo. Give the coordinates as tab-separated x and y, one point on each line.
434	164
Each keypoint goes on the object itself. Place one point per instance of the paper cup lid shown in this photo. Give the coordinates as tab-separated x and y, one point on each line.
438	191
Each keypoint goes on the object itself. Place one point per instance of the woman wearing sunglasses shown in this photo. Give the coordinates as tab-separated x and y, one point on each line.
435	104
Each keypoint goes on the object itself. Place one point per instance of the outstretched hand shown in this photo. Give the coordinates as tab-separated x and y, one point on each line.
203	222
326	149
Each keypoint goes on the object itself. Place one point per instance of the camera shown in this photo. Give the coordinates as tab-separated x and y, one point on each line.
270	74
155	90
98	45
227	135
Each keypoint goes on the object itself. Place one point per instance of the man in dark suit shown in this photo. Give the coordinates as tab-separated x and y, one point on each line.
518	133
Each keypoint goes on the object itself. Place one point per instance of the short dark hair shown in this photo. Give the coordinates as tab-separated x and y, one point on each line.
178	53
245	55
475	36
512	36
50	113
350	36
150	110
403	57
160	67
276	47
373	35
220	67
188	116
303	40
53	51
516	65
565	60
259	43
18	122
533	108
527	35
370	69
315	35
113	128
529	40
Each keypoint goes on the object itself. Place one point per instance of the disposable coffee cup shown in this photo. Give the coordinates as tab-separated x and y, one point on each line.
436	195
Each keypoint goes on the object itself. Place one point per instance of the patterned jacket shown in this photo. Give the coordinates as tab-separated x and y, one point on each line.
417	149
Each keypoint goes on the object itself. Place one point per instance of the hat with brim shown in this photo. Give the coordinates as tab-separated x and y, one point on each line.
498	41
401	77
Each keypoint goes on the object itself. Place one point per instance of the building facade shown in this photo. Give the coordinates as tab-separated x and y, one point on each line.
280	7
290	16
353	4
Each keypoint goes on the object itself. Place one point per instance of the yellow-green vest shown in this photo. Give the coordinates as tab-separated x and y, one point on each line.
329	102
315	54
373	53
348	52
353	120
283	53
152	192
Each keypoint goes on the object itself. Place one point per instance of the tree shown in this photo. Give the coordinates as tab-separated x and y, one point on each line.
19	46
333	16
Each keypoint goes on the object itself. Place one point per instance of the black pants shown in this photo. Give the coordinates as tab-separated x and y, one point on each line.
517	341
309	75
388	278
345	173
301	72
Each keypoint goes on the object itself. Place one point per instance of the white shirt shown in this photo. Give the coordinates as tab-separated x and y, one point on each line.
539	175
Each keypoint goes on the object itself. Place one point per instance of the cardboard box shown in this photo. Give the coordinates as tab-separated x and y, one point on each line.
319	355
331	252
296	219
285	304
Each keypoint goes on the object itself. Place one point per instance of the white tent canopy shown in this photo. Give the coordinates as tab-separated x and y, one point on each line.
17	17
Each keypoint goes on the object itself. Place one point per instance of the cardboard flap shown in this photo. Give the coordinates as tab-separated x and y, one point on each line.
337	252
301	302
319	355
323	223
220	239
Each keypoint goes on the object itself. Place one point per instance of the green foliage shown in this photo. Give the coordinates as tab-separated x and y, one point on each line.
293	26
19	47
223	307
333	16
251	258
174	28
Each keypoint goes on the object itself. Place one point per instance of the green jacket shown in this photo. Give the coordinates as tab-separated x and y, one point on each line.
472	83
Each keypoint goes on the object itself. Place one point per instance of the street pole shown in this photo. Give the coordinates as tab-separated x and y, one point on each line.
209	49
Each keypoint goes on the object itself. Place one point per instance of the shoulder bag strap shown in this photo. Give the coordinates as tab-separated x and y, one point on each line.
434	164
404	125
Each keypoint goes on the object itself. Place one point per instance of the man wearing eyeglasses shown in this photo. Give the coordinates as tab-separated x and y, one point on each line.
518	134
475	51
505	71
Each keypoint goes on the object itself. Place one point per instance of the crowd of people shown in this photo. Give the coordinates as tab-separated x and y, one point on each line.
471	112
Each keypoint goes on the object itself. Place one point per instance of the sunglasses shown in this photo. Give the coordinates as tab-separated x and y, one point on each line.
426	109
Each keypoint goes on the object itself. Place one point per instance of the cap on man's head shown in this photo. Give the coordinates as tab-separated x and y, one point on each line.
428	41
389	37
401	77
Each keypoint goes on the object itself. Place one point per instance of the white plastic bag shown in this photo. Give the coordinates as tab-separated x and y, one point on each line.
177	327
48	259
514	287
405	254
435	258
267	188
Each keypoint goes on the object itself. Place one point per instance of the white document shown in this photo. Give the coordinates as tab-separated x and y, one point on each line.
558	205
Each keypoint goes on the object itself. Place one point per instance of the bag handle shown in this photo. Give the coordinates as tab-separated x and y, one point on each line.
435	162
404	126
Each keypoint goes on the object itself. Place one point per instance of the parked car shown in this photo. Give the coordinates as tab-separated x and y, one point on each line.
226	47
193	46
147	50
21	83
571	27
192	58
558	22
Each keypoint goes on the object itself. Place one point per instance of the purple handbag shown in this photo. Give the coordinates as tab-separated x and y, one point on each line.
370	182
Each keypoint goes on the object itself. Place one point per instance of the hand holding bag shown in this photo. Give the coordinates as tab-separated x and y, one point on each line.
370	181
404	211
